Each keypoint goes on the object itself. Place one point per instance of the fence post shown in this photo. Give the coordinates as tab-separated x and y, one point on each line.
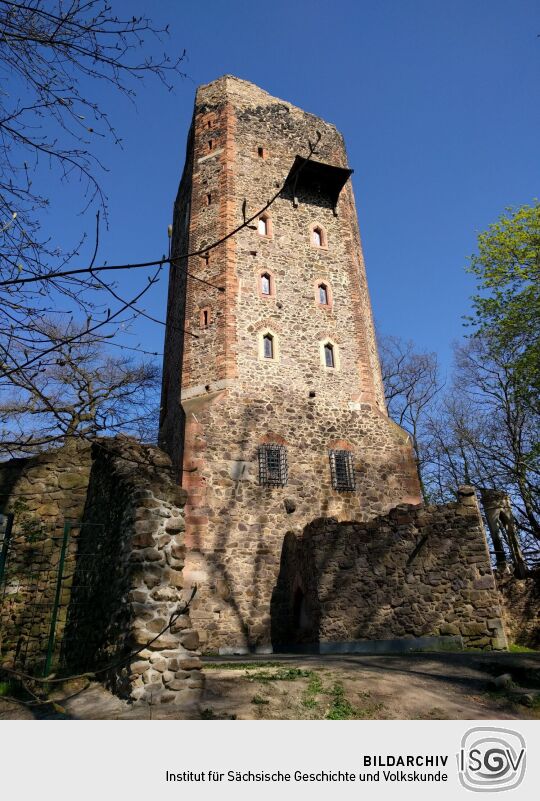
56	604
5	544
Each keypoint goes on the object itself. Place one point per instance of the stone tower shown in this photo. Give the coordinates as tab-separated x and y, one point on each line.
272	406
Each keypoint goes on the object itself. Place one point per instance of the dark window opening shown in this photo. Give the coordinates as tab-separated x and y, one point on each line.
266	284
329	355
210	144
209	199
323	294
342	470
268	346
260	151
273	471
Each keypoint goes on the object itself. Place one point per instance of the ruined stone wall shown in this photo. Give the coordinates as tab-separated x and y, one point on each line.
131	558
520	601
43	492
243	145
123	574
417	572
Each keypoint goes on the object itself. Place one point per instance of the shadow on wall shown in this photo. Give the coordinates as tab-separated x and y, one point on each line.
294	608
416	572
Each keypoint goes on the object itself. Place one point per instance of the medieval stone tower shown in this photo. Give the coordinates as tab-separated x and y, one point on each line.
273	407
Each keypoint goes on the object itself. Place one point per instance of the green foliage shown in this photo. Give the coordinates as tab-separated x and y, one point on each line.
314	688
507	308
239	665
340	707
258	700
283	674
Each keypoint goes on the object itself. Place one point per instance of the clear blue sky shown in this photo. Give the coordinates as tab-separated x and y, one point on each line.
438	103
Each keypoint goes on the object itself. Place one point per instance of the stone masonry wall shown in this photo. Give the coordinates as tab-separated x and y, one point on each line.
222	399
42	492
129	578
416	572
520	601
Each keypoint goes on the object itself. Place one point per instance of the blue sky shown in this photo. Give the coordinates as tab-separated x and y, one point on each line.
438	103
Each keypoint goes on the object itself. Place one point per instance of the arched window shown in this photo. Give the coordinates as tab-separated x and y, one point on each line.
323	295
266	284
318	237
329	359
268	346
263	225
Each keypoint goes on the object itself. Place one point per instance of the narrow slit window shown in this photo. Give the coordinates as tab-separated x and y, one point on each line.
266	284
329	355
342	470
263	226
268	346
260	151
317	237
205	318
273	469
210	144
209	199
323	294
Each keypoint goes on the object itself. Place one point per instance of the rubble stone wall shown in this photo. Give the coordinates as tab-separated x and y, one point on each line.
123	574
131	558
43	492
520	600
417	572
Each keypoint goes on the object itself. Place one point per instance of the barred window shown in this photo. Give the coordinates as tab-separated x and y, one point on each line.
273	471
342	470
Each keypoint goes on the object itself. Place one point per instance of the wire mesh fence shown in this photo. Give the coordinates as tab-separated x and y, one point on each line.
38	568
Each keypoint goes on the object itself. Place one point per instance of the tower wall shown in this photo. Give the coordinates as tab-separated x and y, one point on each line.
222	399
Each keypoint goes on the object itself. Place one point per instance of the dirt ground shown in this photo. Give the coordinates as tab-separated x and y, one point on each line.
409	687
432	686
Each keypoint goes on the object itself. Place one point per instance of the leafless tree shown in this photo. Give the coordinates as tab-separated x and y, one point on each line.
63	66
82	392
411	383
486	433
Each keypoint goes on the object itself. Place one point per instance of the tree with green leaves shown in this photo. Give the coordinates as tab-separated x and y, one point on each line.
507	306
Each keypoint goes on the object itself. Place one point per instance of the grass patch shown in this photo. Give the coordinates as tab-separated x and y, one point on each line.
283	674
239	665
314	688
521	649
340	707
208	714
258	700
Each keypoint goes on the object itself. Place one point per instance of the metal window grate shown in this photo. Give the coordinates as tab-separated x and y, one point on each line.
342	469
273	470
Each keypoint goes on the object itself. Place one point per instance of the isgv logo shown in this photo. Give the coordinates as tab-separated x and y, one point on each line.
491	759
